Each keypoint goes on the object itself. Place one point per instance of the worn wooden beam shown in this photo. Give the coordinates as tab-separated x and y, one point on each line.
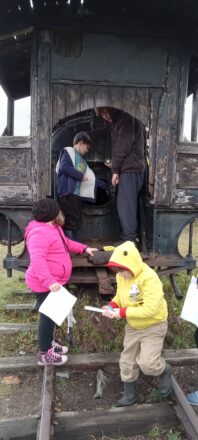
115	422
70	97
76	425
104	281
18	307
41	117
15	142
20	428
189	148
94	361
6	328
166	132
22	292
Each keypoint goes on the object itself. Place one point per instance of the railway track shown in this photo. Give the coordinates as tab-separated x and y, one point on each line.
84	425
115	422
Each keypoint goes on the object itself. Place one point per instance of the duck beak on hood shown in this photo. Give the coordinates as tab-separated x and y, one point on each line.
127	257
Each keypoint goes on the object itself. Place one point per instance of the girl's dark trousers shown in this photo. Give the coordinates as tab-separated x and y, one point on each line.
46	325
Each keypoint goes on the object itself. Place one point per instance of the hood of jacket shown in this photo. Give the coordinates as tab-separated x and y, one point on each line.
126	256
34	224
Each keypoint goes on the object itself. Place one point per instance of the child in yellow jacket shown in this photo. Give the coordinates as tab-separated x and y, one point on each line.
140	300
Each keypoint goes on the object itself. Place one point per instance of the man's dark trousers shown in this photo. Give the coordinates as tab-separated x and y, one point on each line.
127	199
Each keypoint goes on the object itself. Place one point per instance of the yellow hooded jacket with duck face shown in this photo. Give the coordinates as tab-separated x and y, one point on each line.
142	295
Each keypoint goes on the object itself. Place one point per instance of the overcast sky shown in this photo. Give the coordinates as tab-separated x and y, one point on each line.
22	115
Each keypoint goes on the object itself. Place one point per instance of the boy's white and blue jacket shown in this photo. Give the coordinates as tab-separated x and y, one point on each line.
67	177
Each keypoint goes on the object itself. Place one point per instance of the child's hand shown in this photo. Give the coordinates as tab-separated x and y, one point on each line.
107	307
54	287
111	314
85	179
90	251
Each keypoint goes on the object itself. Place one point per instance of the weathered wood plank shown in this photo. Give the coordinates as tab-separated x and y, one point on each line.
166	134
187	198
18	363
136	102
15	167
41	117
18	307
73	99
13	328
79	97
93	361
16	194
22	292
187	148
58	102
87	100
154	103
115	422
104	281
15	142
21	428
187	171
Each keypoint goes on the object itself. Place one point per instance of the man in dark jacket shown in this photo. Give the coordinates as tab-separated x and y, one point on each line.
128	164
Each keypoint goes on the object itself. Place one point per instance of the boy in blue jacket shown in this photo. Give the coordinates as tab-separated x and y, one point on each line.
74	181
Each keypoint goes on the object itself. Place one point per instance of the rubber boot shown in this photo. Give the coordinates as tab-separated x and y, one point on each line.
129	397
165	383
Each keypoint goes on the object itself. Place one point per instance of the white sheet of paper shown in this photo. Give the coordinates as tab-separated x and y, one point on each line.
87	188
57	305
190	307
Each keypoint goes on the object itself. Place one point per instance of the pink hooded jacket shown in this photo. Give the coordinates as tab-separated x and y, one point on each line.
50	260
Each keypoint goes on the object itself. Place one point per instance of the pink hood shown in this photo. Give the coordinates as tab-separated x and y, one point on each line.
49	252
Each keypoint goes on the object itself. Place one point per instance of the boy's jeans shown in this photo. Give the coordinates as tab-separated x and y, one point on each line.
142	350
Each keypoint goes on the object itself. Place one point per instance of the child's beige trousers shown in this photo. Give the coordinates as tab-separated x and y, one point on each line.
142	349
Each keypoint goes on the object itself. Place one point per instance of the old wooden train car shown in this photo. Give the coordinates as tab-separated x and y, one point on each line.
73	56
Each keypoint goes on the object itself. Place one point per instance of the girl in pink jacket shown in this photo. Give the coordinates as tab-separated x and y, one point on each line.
50	268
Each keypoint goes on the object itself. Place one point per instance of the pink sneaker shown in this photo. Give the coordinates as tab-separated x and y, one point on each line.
51	358
58	348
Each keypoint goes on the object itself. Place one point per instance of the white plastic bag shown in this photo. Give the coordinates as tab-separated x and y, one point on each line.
190	307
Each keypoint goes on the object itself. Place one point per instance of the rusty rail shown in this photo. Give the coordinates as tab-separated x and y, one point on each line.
183	409
185	413
45	429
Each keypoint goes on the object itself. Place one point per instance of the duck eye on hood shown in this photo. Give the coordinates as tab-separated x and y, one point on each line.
127	256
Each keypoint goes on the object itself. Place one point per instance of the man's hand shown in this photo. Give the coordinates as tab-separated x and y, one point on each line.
90	251
54	287
115	179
